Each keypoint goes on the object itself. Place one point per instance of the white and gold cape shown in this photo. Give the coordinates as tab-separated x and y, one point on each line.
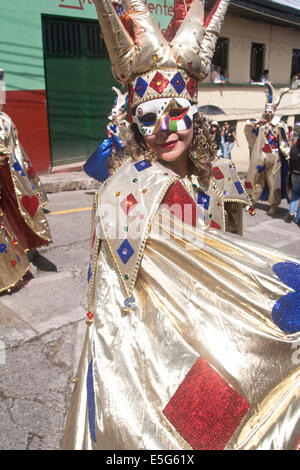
269	147
23	224
182	350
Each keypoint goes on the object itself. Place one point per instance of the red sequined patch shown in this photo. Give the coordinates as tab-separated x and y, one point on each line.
214	224
217	173
192	87
128	203
267	149
181	204
205	410
248	185
159	82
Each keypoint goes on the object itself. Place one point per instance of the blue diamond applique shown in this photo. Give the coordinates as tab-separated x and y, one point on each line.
140	87
125	251
178	82
203	199
239	187
140	166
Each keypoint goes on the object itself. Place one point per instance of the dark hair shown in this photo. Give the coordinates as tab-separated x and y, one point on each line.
203	145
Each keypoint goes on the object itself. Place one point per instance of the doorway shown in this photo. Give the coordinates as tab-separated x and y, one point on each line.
79	87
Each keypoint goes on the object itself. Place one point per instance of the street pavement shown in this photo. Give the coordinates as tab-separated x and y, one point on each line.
43	324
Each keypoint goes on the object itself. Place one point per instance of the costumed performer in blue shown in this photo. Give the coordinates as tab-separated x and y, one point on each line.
192	331
267	176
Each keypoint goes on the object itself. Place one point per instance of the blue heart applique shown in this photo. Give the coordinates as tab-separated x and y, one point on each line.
286	311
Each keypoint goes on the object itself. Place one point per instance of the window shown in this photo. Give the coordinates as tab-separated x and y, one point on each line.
295	62
72	38
220	58
257	61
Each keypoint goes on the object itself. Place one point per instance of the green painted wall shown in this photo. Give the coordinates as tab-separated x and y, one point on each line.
21	48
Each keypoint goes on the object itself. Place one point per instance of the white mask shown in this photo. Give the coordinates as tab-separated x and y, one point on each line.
164	114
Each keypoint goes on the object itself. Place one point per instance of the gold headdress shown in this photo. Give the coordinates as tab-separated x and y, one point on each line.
143	59
273	97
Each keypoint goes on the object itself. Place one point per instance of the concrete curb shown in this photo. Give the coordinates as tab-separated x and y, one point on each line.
72	181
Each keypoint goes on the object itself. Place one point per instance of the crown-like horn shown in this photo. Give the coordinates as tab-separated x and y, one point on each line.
270	91
194	43
129	55
136	45
273	98
281	92
119	43
153	49
186	43
212	28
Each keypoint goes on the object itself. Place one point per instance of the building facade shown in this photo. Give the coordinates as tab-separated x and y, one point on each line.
59	81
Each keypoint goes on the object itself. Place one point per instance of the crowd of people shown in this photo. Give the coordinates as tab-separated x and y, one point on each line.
225	138
274	165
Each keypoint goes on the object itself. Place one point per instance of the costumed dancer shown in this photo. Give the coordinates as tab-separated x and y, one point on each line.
191	330
96	166
269	152
23	225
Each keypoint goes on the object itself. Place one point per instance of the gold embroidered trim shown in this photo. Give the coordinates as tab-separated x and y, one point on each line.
95	250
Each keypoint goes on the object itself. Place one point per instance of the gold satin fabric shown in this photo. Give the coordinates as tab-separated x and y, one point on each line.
204	294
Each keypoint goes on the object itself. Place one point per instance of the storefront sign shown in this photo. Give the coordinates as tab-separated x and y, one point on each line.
162	10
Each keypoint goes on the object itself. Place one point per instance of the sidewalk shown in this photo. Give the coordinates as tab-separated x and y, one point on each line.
69	179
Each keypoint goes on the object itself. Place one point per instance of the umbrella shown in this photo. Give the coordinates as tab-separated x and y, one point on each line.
210	110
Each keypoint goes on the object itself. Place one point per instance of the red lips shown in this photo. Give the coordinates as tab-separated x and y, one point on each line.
169	144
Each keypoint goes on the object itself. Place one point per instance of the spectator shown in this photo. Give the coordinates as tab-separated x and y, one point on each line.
216	75
291	135
229	138
265	76
224	77
294	211
219	138
295	82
